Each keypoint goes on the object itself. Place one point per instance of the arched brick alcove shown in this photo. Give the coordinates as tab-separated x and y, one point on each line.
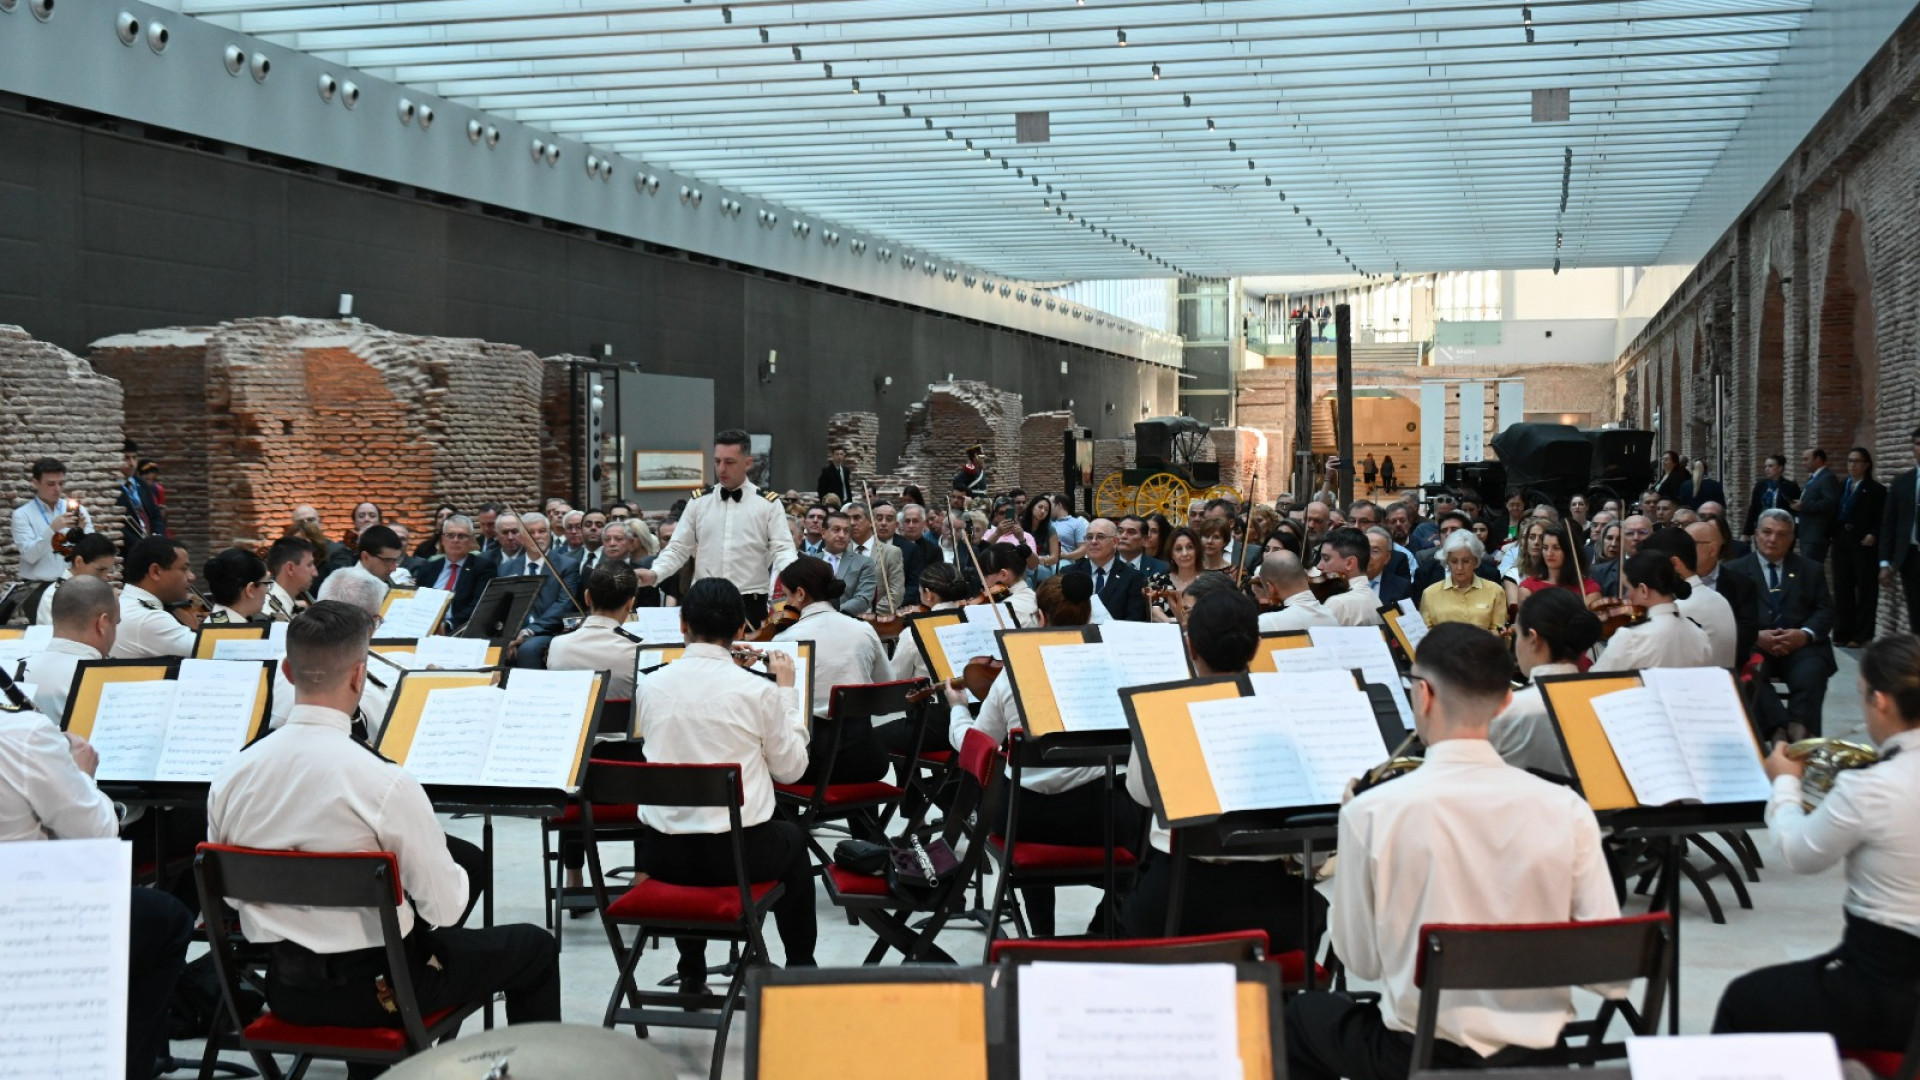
1848	370
1770	375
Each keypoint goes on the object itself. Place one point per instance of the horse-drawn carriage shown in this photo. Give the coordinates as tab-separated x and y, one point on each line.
1166	479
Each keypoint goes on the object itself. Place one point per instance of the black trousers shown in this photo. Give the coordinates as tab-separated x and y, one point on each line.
1805	671
469	857
861	757
1856	588
1330	1036
1221	897
1076	817
449	966
161	927
1910	585
1864	993
775	851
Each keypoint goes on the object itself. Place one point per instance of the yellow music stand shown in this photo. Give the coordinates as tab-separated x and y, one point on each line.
210	636
1273	641
1176	769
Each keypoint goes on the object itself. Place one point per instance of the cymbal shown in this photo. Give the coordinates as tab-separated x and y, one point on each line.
539	1052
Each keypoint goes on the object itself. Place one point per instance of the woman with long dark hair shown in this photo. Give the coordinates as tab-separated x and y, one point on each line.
846	652
1665	638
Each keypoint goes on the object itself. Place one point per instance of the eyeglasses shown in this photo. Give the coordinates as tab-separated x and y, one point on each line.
390	560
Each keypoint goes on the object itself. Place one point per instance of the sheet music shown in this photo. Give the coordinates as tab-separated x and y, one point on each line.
450	652
1147	653
129	728
991	615
1086	686
962	641
415	616
1330	680
263	649
213	709
64	925
1129	1022
536	742
1713	731
1734	1057
1296	660
277	633
1412	625
1251	755
451	739
1363	647
800	704
1335	732
38	637
1644	743
656	625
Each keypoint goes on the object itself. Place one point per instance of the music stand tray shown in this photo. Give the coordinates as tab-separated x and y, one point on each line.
502	608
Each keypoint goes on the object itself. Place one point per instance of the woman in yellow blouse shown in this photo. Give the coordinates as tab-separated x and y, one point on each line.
1463	595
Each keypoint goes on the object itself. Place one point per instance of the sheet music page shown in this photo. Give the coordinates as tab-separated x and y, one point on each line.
264	649
1290	661
212	714
1412	624
1086	686
39	637
800	697
962	641
656	625
1363	647
64	913
129	728
991	615
455	729
1251	754
1129	1022
1335	733
1147	653
1643	741
277	633
1734	1057
1100	615
415	616
450	653
537	741
1274	684
1714	734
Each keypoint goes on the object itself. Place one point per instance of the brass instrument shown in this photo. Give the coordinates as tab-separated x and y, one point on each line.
1825	759
1391	769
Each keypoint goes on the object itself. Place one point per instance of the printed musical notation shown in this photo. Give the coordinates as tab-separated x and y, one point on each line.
527	734
64	912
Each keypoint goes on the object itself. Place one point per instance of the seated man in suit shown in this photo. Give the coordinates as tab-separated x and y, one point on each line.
1383	568
1120	587
861	576
557	598
1133	546
458	570
1711	555
1796	619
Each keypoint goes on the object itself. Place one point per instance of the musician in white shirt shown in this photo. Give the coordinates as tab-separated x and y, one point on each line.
310	787
601	642
1344	553
86	617
1285	582
1704	607
846	652
1465	838
93	556
155	573
238	582
704	709
1866	992
734	531
1666	638
38	520
290	561
1554	629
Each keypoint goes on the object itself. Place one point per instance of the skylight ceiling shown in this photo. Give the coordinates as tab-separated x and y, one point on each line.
1213	138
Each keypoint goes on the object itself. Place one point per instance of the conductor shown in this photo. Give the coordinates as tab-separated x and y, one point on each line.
734	531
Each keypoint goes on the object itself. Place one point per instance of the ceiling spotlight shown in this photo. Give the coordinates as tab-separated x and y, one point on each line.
883	99
1187	100
1209	123
1249	164
349	94
539	149
796	53
828	68
929	121
261	66
553	154
425	116
1123	38
1529	35
157	37
856	87
1156	71
949	134
127	28
763	35
1232	147
907	110
493	136
406	111
726	13
1283	196
969	144
474	130
235	59
1526	16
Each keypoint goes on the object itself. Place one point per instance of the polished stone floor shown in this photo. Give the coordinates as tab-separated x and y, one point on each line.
1792	917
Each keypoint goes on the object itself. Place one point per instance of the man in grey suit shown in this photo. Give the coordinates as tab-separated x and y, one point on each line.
848	565
890	575
557	599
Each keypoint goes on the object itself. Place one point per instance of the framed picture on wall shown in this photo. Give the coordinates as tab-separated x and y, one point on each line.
761	472
669	470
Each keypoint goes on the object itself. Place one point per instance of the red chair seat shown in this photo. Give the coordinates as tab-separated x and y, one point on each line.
848	883
1032	856
844	794
1878	1062
1293	969
684	903
270	1028
627	814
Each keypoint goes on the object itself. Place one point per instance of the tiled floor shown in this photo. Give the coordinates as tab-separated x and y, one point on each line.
1792	917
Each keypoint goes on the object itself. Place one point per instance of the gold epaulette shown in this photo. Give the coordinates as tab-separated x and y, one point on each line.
772	497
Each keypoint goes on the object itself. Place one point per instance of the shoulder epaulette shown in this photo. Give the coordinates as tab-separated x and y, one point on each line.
772	497
629	635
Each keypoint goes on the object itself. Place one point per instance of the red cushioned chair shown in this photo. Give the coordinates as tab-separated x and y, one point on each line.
324	880
610	823
1238	946
1023	863
867	898
1532	956
1891	1063
922	773
863	808
732	913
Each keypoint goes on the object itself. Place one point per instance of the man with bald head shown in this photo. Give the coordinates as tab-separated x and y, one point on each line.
86	616
1709	545
1283	578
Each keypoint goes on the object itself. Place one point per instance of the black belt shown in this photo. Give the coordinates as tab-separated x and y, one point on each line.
1880	952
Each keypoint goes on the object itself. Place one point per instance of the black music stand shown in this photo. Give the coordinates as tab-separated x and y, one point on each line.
502	608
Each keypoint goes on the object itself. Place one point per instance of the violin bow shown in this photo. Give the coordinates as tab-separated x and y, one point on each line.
1240	564
893	603
998	617
546	560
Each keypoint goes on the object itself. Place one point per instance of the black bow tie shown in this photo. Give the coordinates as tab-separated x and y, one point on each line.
733	495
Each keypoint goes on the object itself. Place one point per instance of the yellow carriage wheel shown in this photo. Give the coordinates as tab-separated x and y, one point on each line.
1220	491
1164	493
1113	498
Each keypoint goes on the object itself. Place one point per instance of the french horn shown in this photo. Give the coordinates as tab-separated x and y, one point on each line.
1391	769
1825	759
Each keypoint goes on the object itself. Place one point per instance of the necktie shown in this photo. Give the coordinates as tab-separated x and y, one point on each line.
730	496
1846	500
1100	581
1773	576
453	575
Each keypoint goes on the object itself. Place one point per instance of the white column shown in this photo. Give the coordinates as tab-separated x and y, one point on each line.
1513	403
1433	430
1473	421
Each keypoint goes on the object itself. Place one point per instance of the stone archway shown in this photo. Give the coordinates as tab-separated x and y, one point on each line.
1848	363
1770	381
1672	435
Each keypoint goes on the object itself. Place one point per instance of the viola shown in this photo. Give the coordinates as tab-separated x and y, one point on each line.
894	625
1615	614
976	678
1325	586
63	542
777	620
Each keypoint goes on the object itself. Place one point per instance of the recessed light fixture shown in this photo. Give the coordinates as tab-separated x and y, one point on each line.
235	60
474	130
42	9
424	114
349	94
1156	71
553	154
328	87
493	136
261	66
1123	37
539	149
405	111
763	35
127	28
157	36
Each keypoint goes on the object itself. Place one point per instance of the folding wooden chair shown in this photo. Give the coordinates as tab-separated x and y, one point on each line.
1891	1064
864	808
558	831
316	880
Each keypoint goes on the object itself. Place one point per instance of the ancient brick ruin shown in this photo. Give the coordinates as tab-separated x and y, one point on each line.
57	406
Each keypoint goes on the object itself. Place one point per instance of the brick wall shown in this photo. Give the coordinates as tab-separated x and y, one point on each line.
56	405
1043	447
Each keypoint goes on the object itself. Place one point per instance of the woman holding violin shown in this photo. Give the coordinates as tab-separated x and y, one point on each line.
1463	595
1057	806
1557	567
1664	638
846	652
1183	566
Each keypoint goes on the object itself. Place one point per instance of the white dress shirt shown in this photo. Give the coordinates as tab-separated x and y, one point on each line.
33	535
1870	818
279	603
846	651
1713	614
43	794
998	714
1465	838
1023	602
43	611
1298	612
147	629
1523	733
310	787
375	697
737	540
597	644
1666	639
51	673
1358	606
704	709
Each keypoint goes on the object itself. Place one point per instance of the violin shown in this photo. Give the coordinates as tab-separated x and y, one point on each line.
1615	613
777	620
894	625
995	594
1325	586
976	679
63	542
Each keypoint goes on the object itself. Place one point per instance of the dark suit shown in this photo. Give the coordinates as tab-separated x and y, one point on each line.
472	580
1784	492
918	554
1149	566
1802	603
1856	566
550	606
1710	490
1897	547
1738	590
1819	505
836	480
1391	588
140	511
1123	595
